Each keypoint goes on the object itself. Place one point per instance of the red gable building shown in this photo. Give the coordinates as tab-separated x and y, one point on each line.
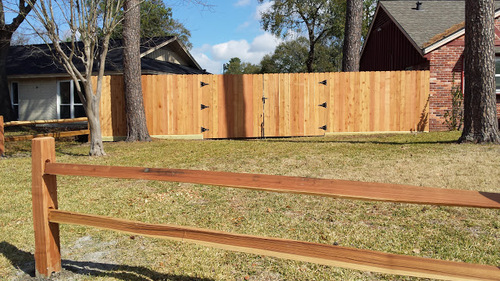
424	35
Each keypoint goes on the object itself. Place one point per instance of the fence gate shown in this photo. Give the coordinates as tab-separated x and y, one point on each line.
296	104
269	105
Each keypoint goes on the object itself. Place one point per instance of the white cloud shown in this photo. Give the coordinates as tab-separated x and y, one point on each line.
207	63
227	50
242	3
213	57
265	43
264	7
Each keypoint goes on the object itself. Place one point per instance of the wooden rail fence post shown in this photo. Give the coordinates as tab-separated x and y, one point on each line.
2	137
44	194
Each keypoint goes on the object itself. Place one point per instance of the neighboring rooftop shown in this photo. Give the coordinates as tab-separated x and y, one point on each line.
31	60
433	21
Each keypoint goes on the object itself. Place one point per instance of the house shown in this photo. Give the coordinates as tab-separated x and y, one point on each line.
424	35
41	88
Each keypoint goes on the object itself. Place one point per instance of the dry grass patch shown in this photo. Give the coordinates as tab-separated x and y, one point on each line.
460	234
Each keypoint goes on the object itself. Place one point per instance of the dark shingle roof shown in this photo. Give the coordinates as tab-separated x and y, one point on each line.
37	60
435	18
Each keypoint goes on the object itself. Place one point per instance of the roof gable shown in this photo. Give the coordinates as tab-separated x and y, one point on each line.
36	60
433	22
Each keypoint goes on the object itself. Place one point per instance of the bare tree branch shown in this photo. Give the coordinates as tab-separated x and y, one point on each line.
88	44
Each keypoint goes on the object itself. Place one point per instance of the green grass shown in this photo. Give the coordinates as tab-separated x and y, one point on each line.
432	159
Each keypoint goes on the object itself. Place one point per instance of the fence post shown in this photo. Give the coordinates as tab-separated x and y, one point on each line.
44	195
2	137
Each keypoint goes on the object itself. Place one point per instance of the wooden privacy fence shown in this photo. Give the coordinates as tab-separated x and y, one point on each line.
248	106
61	134
47	217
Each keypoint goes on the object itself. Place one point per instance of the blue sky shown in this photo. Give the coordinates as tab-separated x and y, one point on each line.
229	28
225	29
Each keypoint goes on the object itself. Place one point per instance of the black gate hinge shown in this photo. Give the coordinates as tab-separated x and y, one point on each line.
204	106
204	129
323	104
323	127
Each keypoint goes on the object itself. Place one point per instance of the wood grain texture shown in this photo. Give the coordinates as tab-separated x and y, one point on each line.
54	135
41	122
297	250
358	102
44	197
311	186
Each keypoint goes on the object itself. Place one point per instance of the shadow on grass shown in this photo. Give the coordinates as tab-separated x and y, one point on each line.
62	151
362	140
25	262
492	196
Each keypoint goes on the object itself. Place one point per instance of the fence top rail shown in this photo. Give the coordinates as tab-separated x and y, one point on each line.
310	186
40	122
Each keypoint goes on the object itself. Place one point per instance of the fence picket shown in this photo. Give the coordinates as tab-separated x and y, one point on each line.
357	102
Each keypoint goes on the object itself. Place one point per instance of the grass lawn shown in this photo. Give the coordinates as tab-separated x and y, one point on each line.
431	159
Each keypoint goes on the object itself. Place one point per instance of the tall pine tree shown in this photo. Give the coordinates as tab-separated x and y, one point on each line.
137	129
352	35
480	122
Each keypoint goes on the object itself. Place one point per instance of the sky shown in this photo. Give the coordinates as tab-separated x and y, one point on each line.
220	30
226	29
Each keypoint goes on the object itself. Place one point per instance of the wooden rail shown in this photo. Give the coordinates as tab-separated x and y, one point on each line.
47	217
63	134
309	186
42	122
290	249
54	135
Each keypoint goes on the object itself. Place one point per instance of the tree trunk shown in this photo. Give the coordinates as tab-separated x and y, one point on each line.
312	47
6	109
310	58
96	145
352	35
137	129
480	121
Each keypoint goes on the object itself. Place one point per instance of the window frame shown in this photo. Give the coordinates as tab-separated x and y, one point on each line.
71	104
15	105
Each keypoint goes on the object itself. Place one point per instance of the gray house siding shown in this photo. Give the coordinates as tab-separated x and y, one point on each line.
37	99
165	54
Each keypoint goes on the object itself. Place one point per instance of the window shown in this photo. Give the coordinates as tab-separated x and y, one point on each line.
69	103
14	98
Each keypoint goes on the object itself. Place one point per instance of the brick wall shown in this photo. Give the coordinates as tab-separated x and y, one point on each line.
445	65
498	108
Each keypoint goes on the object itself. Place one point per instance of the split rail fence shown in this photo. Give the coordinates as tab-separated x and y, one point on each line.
62	134
47	217
273	105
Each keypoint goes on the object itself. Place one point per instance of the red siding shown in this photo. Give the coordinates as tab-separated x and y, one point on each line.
388	48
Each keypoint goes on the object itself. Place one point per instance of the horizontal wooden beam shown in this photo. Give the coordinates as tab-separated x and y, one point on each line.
55	135
296	250
40	122
309	186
